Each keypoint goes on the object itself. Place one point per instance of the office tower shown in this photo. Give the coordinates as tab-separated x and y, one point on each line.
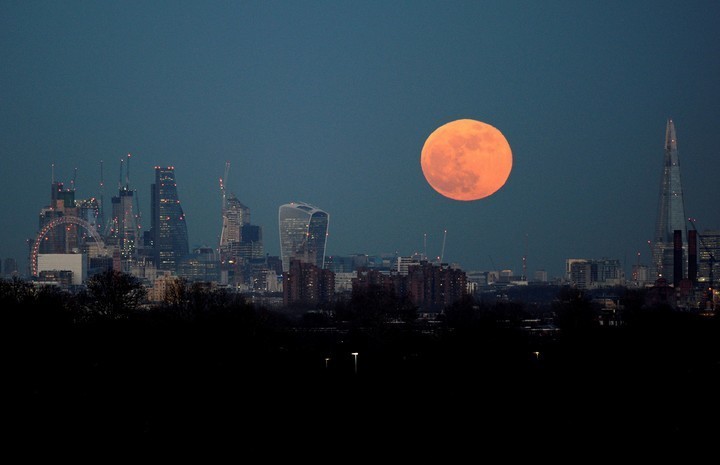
708	256
692	256
235	217
62	203
122	230
251	245
303	234
202	265
169	231
671	210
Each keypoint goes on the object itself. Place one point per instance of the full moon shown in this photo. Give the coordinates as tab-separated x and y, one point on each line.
466	160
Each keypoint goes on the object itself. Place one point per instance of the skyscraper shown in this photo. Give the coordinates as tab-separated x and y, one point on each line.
671	210
122	231
235	217
169	231
303	234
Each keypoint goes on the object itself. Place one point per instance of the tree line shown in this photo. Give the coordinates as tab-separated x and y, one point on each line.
103	357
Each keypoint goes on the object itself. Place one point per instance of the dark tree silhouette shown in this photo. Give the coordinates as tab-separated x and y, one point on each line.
574	310
114	294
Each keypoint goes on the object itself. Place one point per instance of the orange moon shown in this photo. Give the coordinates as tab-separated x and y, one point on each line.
466	160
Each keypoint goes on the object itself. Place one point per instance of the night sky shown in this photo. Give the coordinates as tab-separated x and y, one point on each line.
330	103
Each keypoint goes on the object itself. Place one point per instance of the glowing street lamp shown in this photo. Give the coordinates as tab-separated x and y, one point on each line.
327	360
355	354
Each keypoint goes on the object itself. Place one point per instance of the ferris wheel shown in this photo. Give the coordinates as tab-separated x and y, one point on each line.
63	220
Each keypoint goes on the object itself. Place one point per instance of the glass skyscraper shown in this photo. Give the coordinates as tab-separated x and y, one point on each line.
123	226
671	210
169	231
235	217
303	234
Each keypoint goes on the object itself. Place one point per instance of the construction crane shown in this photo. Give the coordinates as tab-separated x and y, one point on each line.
138	215
524	261
223	231
223	184
120	179
101	212
127	172
711	262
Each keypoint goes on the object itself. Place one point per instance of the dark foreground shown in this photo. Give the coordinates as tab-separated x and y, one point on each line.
147	381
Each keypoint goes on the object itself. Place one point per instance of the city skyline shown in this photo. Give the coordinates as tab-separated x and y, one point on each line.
331	104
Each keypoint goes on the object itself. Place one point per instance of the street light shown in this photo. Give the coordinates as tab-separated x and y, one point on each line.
355	354
327	360
537	355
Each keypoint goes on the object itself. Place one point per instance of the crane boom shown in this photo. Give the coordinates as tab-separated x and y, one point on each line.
223	185
101	213
524	260
127	172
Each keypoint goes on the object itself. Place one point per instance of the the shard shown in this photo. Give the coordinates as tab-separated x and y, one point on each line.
671	211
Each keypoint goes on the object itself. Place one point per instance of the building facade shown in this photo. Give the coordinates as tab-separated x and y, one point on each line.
303	234
122	231
235	216
306	284
169	231
670	213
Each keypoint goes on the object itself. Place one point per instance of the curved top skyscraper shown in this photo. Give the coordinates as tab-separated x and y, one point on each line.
671	208
169	231
303	234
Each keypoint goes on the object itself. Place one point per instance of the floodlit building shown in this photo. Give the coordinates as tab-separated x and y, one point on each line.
56	263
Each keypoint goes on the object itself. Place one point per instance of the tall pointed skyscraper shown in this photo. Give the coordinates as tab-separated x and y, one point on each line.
169	231
671	211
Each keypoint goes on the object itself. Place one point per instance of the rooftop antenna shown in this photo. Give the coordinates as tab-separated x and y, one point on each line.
424	257
121	171
102	190
52	173
442	252
72	184
524	261
127	172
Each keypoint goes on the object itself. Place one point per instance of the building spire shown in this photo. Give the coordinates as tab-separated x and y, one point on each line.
671	206
670	137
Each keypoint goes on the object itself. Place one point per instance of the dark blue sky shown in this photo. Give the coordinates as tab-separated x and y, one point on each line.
330	102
